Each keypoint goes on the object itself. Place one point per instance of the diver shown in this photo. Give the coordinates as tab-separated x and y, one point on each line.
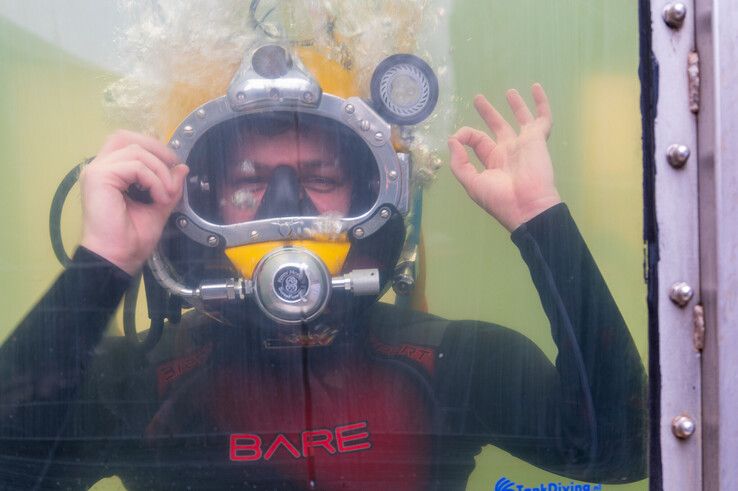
279	234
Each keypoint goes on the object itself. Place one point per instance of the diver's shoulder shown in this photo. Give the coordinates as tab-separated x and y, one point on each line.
391	323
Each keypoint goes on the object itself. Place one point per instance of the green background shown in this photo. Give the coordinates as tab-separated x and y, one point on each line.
584	52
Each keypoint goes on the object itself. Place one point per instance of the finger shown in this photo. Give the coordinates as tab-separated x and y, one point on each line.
123	138
499	126
464	171
543	108
134	172
519	107
136	152
479	141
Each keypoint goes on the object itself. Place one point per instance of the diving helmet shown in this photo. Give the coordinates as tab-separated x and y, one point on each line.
296	197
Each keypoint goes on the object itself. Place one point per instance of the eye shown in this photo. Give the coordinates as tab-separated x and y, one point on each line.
320	184
250	183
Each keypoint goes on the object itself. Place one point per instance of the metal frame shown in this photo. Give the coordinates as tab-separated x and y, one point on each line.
678	372
718	186
354	114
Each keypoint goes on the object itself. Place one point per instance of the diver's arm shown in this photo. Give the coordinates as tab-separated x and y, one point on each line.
600	384
43	366
49	350
43	363
584	416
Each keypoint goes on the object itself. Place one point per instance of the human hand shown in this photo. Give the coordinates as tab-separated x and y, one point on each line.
123	230
517	181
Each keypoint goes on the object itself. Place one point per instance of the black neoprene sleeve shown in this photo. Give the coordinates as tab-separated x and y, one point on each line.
585	417
43	362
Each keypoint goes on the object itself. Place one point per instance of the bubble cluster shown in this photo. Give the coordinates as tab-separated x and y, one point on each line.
177	55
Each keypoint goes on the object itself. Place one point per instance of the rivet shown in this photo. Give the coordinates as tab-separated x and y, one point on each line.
174	144
359	233
681	293
677	155
201	113
674	14
379	136
212	240
188	130
307	96
254	234
365	125
385	213
349	108
392	175
182	222
683	427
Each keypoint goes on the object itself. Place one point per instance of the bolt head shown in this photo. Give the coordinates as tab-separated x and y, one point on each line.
683	427
365	125
674	14
254	234
392	175
182	222
349	109
201	113
379	136
188	130
385	213
681	293
359	233
212	241
307	97
677	155
175	144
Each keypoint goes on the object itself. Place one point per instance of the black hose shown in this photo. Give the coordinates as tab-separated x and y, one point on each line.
129	320
55	213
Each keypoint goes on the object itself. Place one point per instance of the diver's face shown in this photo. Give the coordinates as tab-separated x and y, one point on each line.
321	176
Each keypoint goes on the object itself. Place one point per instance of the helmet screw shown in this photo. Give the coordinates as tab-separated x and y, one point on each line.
254	234
365	125
359	232
379	136
188	130
385	213
182	222
307	96
212	240
392	175
349	108
174	144
241	96
201	113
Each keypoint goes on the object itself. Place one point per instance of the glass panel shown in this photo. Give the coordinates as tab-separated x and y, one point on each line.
336	173
508	347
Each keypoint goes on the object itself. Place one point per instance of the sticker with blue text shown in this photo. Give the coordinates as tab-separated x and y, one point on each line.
505	484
